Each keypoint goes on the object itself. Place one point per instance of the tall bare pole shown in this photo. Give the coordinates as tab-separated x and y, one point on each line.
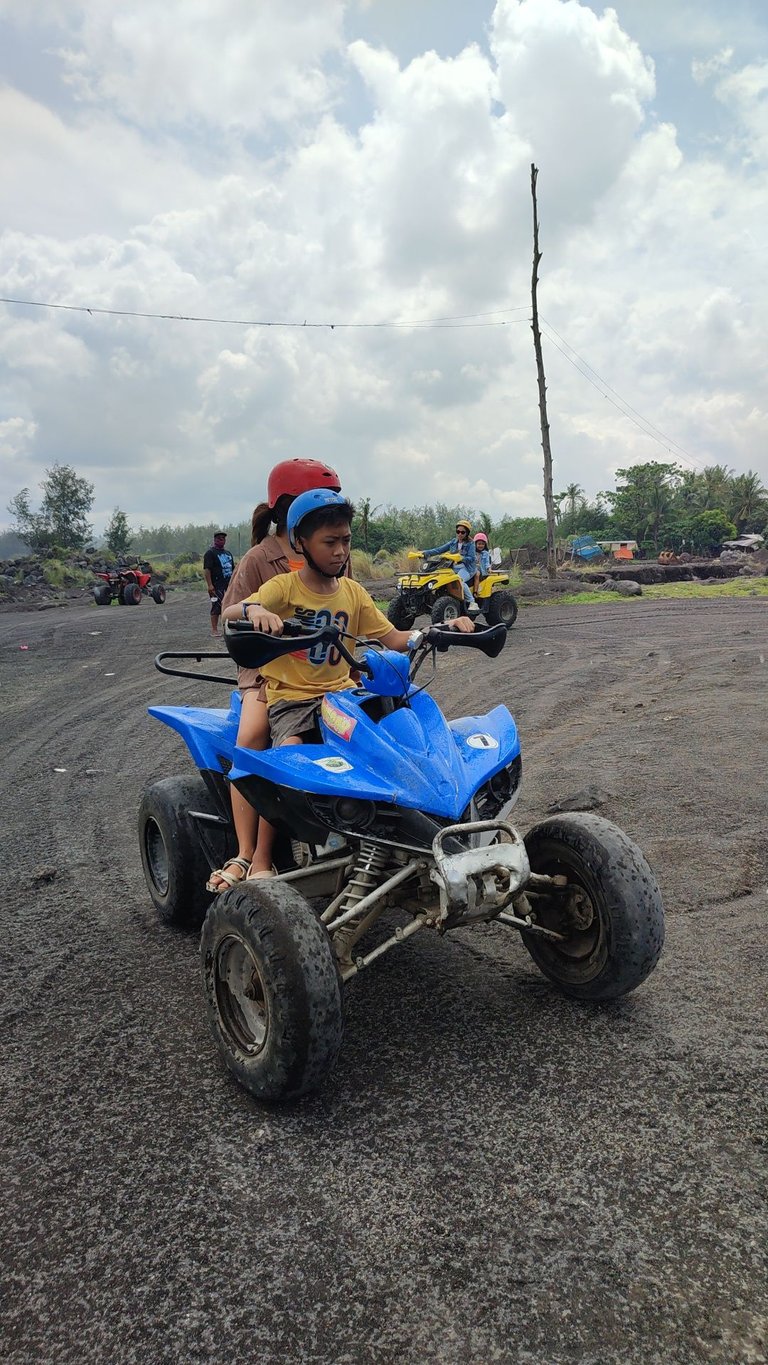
549	502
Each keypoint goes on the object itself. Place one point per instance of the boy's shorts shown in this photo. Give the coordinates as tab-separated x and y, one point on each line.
288	718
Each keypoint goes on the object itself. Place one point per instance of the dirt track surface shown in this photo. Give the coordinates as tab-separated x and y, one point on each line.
493	1173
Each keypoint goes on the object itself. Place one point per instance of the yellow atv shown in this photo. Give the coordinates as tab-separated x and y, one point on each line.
436	589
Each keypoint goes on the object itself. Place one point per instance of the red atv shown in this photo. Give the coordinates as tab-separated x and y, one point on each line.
128	585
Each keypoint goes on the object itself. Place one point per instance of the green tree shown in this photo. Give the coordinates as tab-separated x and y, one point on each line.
517	533
708	530
747	501
692	493
716	481
644	498
362	522
569	506
29	526
118	533
67	500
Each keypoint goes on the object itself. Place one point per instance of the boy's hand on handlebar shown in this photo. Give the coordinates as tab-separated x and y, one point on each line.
462	623
263	620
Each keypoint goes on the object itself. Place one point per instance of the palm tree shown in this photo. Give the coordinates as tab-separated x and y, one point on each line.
573	498
748	500
365	513
717	480
692	492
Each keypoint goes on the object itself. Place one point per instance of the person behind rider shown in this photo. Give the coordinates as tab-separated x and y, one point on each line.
483	559
318	594
466	570
270	554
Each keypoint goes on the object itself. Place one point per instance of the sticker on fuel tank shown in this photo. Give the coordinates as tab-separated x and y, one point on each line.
337	720
481	741
333	765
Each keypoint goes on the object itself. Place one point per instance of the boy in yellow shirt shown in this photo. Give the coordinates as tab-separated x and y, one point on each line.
319	527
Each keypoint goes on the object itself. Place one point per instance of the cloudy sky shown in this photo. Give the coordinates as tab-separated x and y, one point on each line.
361	162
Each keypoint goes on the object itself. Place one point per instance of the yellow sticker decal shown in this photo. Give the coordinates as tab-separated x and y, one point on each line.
336	720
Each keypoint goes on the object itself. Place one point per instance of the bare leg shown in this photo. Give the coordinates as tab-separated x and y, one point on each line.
252	733
262	858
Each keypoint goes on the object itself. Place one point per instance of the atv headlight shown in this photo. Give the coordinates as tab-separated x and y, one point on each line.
501	790
431	584
344	812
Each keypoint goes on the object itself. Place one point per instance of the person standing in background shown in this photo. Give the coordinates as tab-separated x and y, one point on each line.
218	567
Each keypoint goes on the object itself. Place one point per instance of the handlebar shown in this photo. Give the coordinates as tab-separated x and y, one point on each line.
490	642
250	647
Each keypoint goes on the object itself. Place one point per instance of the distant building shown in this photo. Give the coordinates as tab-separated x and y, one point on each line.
746	543
620	549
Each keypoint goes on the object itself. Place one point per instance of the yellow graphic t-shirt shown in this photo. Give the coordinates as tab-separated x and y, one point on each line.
311	672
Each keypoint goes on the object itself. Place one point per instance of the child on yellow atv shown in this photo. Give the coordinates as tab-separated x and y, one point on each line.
483	559
467	569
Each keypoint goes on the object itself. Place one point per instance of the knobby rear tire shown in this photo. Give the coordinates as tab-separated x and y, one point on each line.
174	861
501	609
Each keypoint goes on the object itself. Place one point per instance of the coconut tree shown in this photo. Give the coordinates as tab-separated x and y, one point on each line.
569	503
716	480
692	493
748	501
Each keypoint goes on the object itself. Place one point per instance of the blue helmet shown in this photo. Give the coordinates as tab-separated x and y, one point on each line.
311	501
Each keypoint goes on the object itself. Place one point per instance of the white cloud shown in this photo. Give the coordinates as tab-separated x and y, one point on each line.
512	502
152	194
745	93
15	435
232	64
702	71
73	179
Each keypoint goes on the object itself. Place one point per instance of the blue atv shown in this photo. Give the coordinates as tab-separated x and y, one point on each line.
393	807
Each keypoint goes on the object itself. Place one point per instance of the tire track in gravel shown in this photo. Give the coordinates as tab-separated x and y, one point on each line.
481	1133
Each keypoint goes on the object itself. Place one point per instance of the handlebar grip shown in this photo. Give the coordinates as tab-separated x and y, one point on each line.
490	642
291	627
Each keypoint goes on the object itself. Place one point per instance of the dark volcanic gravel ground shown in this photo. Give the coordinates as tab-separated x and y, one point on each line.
493	1173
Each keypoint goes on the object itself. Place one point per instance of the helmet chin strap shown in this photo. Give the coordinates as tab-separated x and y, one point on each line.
316	567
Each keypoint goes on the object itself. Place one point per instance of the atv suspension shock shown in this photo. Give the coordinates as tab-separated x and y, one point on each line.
366	875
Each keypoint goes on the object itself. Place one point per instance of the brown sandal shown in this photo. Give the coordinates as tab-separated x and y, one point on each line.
243	863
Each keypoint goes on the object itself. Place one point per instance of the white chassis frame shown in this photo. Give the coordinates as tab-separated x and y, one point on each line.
440	890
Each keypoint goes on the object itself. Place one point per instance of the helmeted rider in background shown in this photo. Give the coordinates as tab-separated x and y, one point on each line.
464	545
483	558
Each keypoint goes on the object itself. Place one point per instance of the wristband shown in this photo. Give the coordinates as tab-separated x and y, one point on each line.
246	605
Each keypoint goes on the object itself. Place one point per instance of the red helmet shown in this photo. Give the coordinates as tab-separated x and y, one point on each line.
480	536
292	477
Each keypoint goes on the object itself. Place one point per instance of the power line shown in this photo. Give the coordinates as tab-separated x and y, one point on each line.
452	322
647	427
457	320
